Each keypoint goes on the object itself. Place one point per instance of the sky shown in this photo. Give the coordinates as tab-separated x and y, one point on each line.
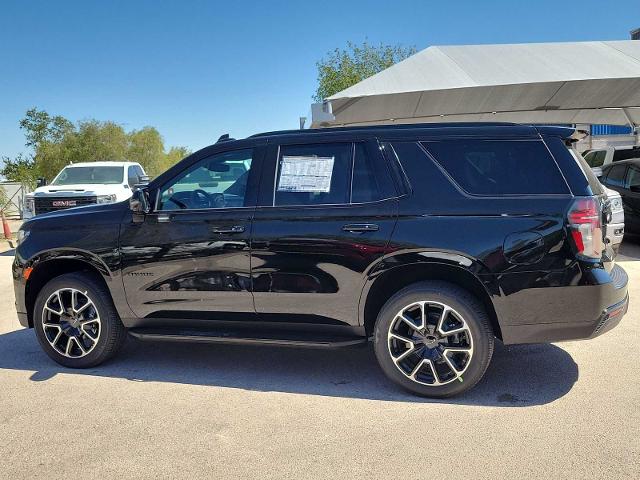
198	69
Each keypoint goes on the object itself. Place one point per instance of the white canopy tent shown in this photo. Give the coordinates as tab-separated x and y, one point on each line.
583	82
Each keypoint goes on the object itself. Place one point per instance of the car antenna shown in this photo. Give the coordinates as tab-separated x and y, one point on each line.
225	138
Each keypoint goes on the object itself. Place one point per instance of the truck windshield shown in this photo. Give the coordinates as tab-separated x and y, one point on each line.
98	174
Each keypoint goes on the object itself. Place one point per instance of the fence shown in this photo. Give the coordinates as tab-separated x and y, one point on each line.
12	199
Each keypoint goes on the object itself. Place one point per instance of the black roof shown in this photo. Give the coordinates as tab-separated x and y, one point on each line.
476	128
628	161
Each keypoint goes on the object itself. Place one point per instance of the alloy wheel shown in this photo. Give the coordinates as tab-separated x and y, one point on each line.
71	322
430	343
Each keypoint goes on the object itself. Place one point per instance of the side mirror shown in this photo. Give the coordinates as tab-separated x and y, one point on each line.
139	202
41	182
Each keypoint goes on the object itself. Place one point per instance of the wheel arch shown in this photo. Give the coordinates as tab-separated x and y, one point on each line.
53	264
386	283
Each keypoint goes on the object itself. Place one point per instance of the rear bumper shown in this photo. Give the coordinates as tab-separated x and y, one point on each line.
609	302
615	234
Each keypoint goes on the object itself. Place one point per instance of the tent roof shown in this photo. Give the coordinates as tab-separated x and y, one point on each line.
585	82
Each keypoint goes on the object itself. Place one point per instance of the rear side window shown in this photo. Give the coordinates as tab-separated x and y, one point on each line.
491	167
330	174
367	184
615	176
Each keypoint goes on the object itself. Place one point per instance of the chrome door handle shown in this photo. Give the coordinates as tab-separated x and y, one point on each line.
360	227
233	229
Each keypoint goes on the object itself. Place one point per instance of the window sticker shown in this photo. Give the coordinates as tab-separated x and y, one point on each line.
305	174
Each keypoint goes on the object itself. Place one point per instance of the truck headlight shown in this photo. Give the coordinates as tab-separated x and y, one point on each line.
30	205
22	235
106	198
616	204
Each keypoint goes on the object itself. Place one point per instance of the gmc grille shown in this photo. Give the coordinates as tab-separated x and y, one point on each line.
52	204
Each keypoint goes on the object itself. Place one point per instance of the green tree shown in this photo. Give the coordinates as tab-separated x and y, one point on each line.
173	156
20	169
40	127
146	147
56	142
343	68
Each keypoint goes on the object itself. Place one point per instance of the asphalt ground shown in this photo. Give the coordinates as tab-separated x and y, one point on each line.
567	410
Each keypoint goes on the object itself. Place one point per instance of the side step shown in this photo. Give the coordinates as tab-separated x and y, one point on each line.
244	337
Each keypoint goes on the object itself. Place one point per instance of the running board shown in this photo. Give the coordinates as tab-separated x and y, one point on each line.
280	338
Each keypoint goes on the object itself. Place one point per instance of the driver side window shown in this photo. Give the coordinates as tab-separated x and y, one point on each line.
218	181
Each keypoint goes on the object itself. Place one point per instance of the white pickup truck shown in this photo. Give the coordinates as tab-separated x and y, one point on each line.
601	157
88	183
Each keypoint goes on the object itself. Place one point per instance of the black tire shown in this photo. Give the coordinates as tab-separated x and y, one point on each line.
112	333
466	305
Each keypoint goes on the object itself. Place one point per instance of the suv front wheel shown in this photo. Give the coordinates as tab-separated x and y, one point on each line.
76	322
434	339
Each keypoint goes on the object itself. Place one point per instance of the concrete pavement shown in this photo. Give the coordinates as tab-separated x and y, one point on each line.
568	410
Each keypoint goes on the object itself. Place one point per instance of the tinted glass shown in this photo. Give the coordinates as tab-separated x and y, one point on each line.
395	167
219	181
626	154
314	174
615	176
595	159
633	177
366	185
89	175
132	175
499	167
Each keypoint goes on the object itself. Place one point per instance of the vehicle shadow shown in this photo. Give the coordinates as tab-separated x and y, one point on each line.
518	376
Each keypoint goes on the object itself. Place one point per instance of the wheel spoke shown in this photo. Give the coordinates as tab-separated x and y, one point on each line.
47	307
401	338
404	354
445	355
74	300
423	315
436	380
443	316
91	337
60	301
417	368
67	350
84	307
454	331
57	337
408	322
79	343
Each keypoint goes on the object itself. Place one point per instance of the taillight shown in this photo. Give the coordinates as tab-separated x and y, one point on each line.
585	225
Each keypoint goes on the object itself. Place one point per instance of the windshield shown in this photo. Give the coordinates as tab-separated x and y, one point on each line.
98	174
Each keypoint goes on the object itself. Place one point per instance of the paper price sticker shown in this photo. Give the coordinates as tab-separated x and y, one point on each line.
305	174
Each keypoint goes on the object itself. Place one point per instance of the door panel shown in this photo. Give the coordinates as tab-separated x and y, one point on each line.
190	257
311	252
189	264
305	264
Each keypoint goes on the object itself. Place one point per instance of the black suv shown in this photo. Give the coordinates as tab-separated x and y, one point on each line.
429	240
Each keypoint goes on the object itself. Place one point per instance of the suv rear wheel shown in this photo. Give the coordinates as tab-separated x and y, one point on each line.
434	339
76	322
